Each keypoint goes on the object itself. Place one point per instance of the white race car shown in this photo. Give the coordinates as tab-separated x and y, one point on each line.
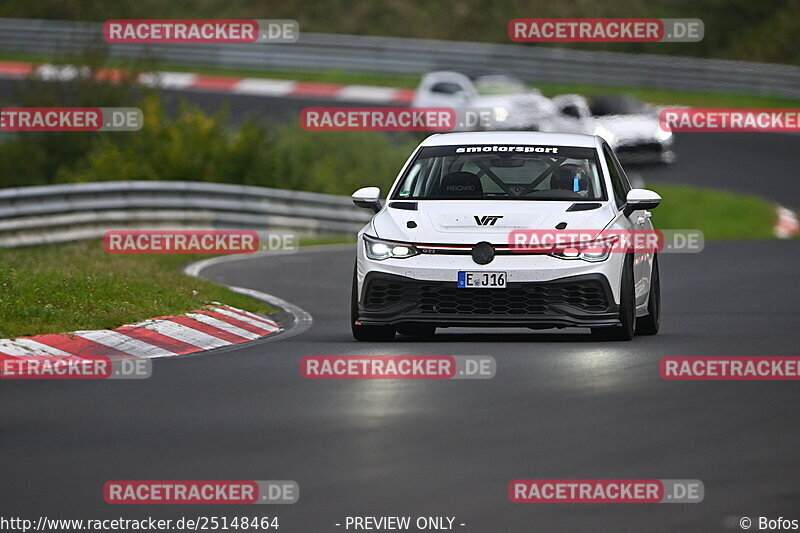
635	128
439	253
512	104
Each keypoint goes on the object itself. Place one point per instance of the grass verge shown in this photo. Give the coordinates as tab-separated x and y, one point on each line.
719	214
59	288
67	287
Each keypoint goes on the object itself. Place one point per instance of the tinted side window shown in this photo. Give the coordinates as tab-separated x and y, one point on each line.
446	88
571	111
619	182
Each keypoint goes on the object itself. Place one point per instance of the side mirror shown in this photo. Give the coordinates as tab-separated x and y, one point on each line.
641	199
368	198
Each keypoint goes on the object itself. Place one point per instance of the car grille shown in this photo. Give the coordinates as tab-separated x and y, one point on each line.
649	147
517	299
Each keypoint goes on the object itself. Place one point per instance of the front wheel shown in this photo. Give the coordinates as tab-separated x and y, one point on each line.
361	332
627	309
649	324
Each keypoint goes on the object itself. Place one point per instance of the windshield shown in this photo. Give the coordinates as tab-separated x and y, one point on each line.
492	85
492	172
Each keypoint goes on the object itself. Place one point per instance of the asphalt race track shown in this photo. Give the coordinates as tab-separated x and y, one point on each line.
560	406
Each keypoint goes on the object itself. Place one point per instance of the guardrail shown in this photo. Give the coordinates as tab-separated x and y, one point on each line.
392	55
61	213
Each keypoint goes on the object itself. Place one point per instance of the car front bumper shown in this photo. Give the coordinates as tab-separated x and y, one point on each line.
645	152
583	301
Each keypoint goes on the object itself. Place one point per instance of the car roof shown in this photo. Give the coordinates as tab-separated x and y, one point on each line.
512	137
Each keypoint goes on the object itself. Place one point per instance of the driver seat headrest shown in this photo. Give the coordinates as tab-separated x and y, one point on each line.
461	183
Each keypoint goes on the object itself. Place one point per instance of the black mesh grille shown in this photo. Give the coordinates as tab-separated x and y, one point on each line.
518	299
652	147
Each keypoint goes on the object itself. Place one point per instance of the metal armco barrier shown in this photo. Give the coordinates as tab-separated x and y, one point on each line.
392	55
61	213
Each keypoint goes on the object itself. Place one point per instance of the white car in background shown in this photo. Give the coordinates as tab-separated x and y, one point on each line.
439	253
512	104
635	128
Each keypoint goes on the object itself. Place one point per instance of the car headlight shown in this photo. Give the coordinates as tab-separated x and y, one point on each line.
593	251
500	114
379	250
663	135
592	257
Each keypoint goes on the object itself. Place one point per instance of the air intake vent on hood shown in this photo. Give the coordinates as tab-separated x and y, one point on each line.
409	206
584	206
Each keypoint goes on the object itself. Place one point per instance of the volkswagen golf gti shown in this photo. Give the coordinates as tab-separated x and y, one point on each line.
471	236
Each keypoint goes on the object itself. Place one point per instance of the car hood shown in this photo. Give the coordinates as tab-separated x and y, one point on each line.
630	129
533	111
454	221
522	108
520	100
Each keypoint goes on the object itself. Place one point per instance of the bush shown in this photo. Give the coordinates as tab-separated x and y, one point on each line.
195	146
37	158
185	145
750	30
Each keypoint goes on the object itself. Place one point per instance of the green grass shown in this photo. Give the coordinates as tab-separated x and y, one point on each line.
406	81
58	288
720	215
66	287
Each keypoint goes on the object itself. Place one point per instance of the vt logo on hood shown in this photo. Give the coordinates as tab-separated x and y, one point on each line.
487	220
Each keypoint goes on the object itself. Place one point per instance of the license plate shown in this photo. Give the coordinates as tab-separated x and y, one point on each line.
481	280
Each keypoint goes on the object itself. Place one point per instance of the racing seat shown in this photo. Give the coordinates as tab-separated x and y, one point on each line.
461	183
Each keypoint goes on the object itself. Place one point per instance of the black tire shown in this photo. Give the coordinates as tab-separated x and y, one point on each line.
649	324
627	309
366	333
416	330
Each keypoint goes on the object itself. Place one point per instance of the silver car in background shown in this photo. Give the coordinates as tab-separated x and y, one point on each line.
511	104
634	125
